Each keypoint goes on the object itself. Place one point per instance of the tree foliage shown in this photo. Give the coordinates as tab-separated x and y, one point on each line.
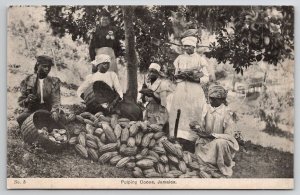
257	33
245	34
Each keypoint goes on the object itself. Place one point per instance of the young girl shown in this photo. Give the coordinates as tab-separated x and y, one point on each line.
216	144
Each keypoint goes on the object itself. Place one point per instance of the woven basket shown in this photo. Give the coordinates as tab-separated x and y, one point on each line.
37	120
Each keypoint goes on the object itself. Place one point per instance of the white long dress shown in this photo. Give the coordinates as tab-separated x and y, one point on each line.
188	96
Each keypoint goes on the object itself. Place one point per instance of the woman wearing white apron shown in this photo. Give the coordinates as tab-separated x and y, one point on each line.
190	73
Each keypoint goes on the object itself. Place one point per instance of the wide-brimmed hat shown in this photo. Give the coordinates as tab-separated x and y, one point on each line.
101	58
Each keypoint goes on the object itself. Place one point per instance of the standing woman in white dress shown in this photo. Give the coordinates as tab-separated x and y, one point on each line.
190	73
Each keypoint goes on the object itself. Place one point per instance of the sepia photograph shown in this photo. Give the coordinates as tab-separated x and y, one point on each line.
150	97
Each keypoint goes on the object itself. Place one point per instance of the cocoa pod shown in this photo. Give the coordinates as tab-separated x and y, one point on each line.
73	141
159	150
158	135
82	139
104	118
109	133
152	143
124	135
79	118
123	162
176	173
153	175
131	142
139	157
146	139
156	127
114	160
124	124
118	131
147	171
76	131
98	132
155	160
144	152
203	174
91	137
111	147
154	154
87	121
103	138
160	168
164	159
168	175
137	174
173	159
145	163
123	120
98	114
114	121
133	130
91	144
107	156
93	154
182	166
81	150
129	151
138	138
130	165
89	129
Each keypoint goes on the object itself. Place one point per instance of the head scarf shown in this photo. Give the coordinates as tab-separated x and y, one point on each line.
217	91
101	59
156	67
42	59
192	41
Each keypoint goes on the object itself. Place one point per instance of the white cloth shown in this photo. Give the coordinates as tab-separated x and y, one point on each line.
41	81
192	41
155	66
110	78
101	58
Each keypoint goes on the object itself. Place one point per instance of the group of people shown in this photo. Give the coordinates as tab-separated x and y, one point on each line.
204	127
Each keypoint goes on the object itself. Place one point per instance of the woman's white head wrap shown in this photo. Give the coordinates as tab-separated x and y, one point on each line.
192	41
101	58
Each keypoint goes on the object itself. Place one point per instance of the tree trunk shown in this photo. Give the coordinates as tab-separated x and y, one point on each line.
130	52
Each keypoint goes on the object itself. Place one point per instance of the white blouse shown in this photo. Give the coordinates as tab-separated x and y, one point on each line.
194	61
110	78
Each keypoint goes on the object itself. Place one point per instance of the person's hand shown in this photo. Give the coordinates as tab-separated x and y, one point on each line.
113	104
147	92
54	115
180	76
31	98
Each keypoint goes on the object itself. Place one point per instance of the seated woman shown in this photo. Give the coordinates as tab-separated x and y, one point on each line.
216	144
108	94
156	95
40	91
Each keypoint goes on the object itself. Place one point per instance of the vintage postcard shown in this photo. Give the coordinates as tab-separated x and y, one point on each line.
150	97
